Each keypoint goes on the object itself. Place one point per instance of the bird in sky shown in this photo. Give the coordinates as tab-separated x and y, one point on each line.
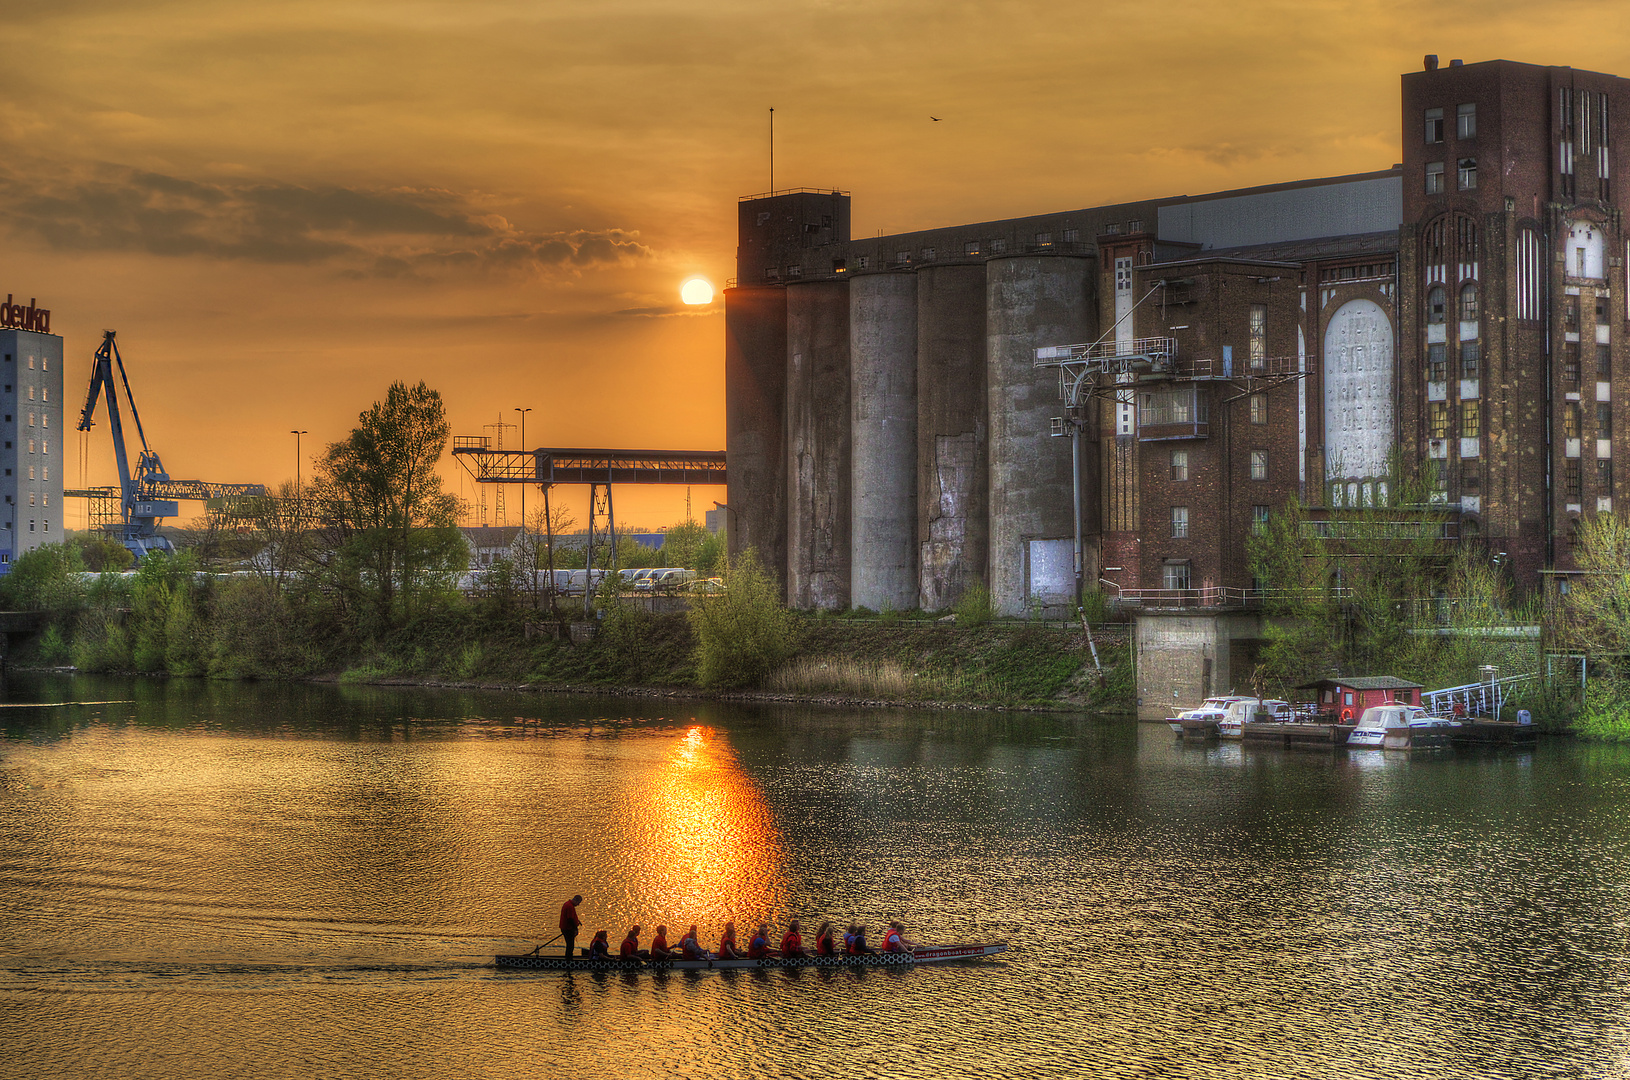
935	119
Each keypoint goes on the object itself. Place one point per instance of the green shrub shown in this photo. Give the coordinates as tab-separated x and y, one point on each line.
974	608
1606	715
53	646
744	632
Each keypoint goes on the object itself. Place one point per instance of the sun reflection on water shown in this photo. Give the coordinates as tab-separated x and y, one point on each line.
711	847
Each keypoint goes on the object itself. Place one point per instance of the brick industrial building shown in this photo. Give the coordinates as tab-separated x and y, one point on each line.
892	428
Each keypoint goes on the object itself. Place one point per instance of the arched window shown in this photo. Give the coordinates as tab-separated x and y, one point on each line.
1469	528
1468	302
1436	301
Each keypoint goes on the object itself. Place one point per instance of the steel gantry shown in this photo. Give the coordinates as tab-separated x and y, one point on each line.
599	469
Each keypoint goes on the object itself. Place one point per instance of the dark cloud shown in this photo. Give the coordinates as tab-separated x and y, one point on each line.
391	233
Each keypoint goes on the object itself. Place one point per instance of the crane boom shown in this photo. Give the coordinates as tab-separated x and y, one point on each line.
149	495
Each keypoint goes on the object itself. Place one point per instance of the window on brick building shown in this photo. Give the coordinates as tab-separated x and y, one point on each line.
1601	310
1572	480
1259	464
1259	408
1071	236
1468	302
970	247
1471	420
1470	481
1437	304
929	254
1259	335
1466	121
1570	420
998	245
863	262
1180	523
1570	362
902	257
1604	360
1434	178
1434	126
1437	419
1570	312
1468	174
1180	464
1468	359
1604	420
1112	229
1259	520
1175	575
1435	365
1044	239
1135	225
1604	476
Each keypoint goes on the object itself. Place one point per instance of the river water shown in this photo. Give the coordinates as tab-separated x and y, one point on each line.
216	880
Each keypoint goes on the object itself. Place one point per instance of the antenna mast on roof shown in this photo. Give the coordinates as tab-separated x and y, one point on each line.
772	149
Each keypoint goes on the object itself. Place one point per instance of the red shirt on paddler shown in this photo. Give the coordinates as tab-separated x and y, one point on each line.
569	922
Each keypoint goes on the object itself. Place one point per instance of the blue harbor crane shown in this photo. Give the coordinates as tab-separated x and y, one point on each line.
150	494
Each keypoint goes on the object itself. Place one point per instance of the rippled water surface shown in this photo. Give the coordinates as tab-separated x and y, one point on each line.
215	881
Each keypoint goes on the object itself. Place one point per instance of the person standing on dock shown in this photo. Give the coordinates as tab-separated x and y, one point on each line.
569	922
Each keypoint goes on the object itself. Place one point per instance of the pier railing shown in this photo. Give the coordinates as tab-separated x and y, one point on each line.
1473	699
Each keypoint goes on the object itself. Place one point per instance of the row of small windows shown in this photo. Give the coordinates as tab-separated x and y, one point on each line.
1573	415
1180	526
1467	176
1571	361
1352	273
1438	415
1437	303
1437	365
1573	478
1465	123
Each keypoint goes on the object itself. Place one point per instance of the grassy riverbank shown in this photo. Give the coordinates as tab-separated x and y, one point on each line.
854	658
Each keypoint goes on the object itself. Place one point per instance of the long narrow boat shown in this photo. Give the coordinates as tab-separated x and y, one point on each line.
928	954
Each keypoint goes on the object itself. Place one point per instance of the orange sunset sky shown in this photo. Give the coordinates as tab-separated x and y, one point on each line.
283	206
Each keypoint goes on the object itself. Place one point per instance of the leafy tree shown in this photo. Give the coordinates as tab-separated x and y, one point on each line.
100	552
381	490
745	632
44	579
690	545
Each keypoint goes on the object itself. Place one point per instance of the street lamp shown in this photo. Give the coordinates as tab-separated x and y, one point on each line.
297	435
524	486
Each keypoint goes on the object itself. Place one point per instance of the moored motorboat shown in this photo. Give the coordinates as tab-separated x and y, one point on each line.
1212	709
1400	727
925	954
1253	711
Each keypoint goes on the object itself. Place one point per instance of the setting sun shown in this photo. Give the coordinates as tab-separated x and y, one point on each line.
697	291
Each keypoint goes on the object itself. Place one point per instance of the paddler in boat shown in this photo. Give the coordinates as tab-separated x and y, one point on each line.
727	943
792	942
758	947
857	941
630	949
600	947
894	940
569	922
659	945
690	946
823	940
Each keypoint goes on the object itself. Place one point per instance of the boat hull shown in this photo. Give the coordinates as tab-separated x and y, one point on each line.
938	954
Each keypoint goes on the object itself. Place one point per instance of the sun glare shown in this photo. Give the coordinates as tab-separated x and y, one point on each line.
697	291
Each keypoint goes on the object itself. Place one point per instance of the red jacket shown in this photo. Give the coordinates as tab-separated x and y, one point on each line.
891	942
631	945
791	942
569	922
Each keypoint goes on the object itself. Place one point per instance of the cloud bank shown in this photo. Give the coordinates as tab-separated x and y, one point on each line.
361	232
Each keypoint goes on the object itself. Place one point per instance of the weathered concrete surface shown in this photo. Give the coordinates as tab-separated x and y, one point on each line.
818	457
1185	656
883	411
755	381
1031	301
953	467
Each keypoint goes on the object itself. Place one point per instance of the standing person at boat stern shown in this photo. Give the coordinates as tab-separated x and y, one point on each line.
569	922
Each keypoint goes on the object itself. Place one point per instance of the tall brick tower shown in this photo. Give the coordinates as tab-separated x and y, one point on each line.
1511	372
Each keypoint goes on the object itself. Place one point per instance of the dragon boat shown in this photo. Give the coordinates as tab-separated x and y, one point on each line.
927	954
